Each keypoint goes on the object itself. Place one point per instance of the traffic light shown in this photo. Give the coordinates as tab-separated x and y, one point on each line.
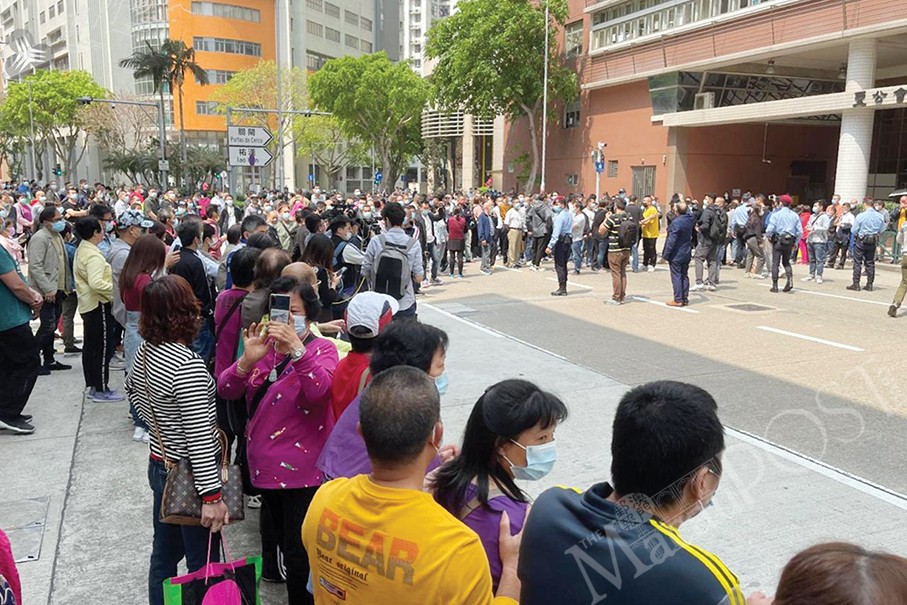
58	171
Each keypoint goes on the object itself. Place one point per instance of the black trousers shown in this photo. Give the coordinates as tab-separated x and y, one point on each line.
649	252
50	316
781	254
503	243
561	255
740	258
287	509
456	261
20	360
98	346
839	246
864	254
538	249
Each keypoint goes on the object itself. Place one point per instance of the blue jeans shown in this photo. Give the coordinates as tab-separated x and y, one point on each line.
816	252
634	256
577	248
602	253
173	542
408	313
132	340
204	342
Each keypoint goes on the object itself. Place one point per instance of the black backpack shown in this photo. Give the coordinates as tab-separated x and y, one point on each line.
718	228
627	233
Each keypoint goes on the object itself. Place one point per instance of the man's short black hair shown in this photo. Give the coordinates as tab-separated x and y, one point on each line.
242	266
406	343
621	203
662	432
394	214
340	222
99	211
311	222
361	345
397	414
87	226
47	214
251	223
188	231
262	241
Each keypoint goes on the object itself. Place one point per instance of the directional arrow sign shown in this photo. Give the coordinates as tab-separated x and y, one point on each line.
250	156
248	136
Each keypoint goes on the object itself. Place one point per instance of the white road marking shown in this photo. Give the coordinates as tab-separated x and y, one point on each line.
661	304
826	470
572	283
811	338
862	300
509	269
473	324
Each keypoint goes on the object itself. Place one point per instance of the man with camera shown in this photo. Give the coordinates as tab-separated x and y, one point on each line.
785	229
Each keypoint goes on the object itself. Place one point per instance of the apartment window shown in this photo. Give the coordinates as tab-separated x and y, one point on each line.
612	169
43	16
226	11
218	76
315	61
351	18
222	45
366	46
51	12
331	10
315	5
366	24
60	7
573	39
572	180
571	115
205	108
351	41
316	29
332	34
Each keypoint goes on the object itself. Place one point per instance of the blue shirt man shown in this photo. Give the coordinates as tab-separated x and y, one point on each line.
741	215
869	222
785	221
563	225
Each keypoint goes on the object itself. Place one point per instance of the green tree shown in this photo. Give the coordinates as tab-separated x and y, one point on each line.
152	62
55	109
322	138
257	88
491	62
375	101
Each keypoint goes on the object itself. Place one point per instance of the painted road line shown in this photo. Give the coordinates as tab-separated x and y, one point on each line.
811	338
509	269
572	283
473	324
862	300
826	470
661	304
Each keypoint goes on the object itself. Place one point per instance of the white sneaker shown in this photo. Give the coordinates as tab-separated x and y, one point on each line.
117	364
697	288
254	502
758	276
145	436
810	278
819	279
651	269
711	288
138	433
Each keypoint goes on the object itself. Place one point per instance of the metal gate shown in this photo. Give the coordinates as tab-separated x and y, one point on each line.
643	181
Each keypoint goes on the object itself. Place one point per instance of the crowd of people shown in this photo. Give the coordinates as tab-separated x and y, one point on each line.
280	333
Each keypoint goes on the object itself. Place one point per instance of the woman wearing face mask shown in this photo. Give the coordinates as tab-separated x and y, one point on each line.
319	254
285	377
509	435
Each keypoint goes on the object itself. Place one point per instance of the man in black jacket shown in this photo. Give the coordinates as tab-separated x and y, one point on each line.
191	268
635	213
711	236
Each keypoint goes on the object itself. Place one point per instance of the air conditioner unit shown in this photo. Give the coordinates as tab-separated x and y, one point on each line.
704	100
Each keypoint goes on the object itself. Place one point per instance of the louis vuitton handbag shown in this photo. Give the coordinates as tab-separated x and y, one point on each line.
181	503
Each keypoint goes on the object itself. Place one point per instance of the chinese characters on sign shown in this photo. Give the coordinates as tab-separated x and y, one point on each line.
878	97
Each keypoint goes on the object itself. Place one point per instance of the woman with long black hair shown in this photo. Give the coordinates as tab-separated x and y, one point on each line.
509	435
319	254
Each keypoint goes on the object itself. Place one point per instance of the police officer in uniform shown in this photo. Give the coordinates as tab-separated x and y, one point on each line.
784	229
866	229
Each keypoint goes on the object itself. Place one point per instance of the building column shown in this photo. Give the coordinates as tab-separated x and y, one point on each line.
469	154
855	143
497	154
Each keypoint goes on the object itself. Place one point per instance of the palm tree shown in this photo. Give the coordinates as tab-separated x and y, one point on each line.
181	58
153	63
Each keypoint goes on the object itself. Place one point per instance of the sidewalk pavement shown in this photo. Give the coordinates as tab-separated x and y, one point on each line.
97	537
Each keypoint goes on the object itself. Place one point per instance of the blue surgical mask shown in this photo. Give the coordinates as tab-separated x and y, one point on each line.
299	324
441	383
109	228
540	460
556	209
58	226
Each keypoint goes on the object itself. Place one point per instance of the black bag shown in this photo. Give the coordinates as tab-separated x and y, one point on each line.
718	228
627	233
787	239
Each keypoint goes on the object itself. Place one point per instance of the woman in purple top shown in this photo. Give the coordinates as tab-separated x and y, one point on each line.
286	378
509	435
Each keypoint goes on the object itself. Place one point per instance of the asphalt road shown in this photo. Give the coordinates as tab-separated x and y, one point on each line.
815	370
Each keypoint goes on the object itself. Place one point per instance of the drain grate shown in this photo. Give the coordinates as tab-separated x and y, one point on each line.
750	307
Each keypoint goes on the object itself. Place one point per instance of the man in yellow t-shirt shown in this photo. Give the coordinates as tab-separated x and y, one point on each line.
649	224
380	538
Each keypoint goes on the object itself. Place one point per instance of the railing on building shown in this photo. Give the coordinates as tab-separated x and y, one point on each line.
441	124
762	26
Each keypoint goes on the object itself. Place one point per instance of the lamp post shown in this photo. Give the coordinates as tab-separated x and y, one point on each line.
545	104
31	125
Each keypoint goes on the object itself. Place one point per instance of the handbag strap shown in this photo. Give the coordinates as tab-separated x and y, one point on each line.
364	380
223	322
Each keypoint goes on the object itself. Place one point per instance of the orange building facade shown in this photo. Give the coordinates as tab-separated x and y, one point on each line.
693	96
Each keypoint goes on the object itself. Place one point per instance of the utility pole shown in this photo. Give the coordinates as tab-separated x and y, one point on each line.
231	170
280	168
598	156
31	124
